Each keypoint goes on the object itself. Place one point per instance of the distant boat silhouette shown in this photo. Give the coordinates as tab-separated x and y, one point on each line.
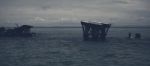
24	31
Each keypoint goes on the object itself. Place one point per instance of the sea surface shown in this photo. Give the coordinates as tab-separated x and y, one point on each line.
65	47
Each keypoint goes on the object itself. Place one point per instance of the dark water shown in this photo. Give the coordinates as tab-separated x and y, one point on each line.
65	47
113	32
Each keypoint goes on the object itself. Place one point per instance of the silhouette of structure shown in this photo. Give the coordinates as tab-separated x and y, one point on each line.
138	36
2	31
129	35
23	30
94	30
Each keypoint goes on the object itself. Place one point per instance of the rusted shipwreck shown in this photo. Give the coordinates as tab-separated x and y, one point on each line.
22	31
94	30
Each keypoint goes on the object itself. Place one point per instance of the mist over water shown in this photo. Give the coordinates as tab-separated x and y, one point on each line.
113	32
58	36
65	47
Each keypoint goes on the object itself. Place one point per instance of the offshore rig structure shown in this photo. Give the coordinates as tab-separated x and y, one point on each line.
94	30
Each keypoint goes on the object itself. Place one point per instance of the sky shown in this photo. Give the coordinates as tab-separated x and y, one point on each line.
71	12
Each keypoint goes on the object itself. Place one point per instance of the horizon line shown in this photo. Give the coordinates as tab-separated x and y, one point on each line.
81	27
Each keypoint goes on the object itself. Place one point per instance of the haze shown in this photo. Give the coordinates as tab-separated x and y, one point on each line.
71	12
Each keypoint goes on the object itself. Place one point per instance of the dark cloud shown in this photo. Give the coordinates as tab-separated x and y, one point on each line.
119	1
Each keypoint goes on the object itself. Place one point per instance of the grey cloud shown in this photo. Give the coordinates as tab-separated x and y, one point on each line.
116	11
122	2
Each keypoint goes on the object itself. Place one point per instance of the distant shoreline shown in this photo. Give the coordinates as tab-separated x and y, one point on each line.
81	27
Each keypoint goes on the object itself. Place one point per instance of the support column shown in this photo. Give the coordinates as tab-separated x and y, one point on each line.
86	29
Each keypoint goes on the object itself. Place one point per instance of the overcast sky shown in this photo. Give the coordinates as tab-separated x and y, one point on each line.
71	12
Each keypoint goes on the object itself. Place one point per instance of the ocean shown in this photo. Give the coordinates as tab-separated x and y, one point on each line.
65	47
